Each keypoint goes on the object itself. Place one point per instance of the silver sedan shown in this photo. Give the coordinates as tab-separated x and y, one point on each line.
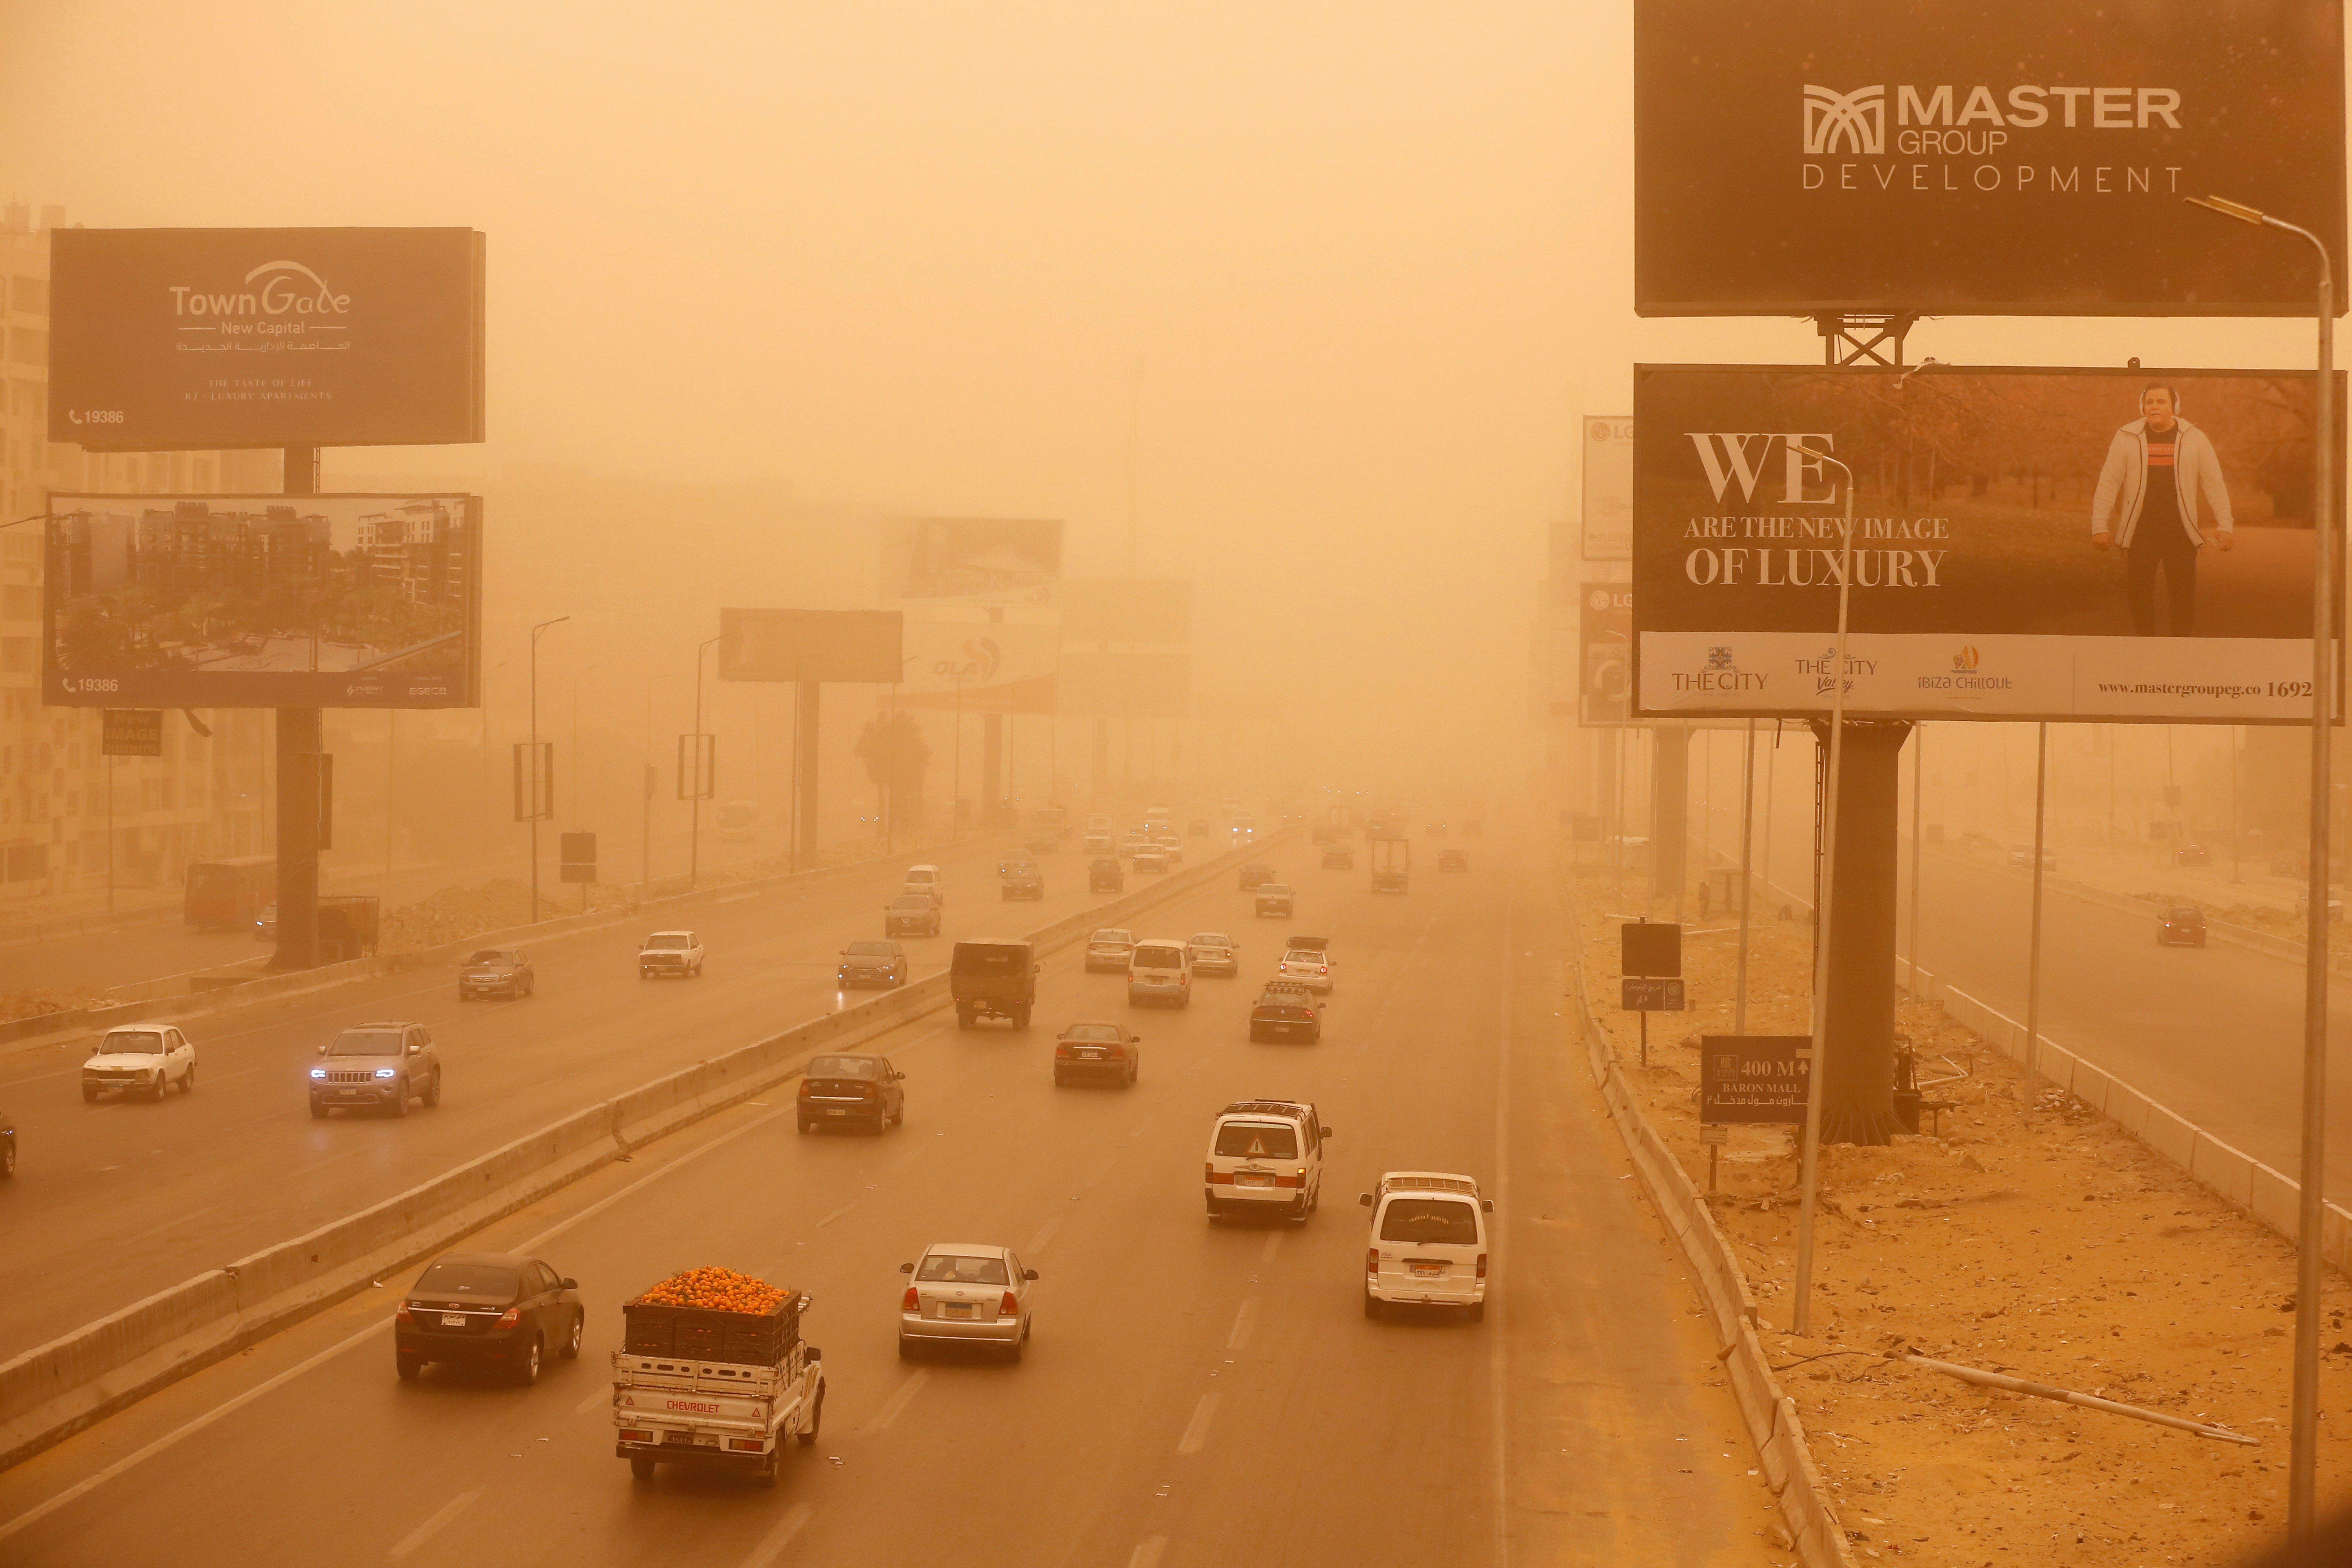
966	1293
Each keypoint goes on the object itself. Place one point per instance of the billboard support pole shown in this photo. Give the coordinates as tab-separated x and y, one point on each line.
542	776
1747	889
2034	934
2310	1207
298	731
1918	806
805	714
705	763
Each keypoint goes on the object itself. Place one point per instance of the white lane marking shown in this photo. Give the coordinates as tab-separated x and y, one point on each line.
1044	1234
1244	1321
600	1400
738	899
1147	1551
898	1402
1138	1130
449	1510
836	1214
172	1224
1273	1246
31	1516
772	1545
903	1163
1100	1170
1196	1431
1499	1349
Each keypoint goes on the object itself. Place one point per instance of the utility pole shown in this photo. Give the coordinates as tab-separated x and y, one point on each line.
706	764
298	789
541	777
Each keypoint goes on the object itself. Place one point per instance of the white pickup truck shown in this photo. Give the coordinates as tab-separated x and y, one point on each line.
674	1409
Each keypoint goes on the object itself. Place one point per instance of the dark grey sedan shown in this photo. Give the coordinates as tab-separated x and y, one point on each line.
496	972
489	1308
882	964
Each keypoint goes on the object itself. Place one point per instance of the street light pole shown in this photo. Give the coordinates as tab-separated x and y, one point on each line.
537	806
1801	1318
702	782
2303	1460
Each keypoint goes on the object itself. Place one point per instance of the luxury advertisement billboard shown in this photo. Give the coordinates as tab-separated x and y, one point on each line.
172	339
1608	488
2085	544
995	562
980	666
2014	157
262	600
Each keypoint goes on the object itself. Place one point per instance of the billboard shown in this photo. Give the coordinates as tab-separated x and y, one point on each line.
980	666
2082	544
262	600
1846	156
1604	663
1607	490
985	561
811	645
1098	612
1753	1078
1125	685
174	338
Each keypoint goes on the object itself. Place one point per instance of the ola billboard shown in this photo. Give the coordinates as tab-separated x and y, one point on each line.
2056	544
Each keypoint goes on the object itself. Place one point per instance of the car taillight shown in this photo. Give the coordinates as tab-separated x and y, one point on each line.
629	1437
744	1445
403	1315
1372	1260
510	1318
1008	1307
1208	1172
1482	1266
869	1091
1322	969
910	1301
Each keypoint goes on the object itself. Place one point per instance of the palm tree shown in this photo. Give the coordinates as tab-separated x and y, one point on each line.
896	757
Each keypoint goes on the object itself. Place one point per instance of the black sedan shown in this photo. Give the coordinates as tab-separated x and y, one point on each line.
496	972
1338	857
1021	880
1452	860
871	963
1274	899
1098	1053
1104	875
851	1091
488	1308
2183	927
1256	873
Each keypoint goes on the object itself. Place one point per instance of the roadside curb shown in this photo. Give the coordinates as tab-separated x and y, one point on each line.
78	1379
1770	1416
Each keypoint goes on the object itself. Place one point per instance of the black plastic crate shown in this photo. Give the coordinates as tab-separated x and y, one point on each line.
696	1333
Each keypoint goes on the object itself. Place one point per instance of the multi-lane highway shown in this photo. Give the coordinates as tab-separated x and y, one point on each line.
119	1199
1194	1393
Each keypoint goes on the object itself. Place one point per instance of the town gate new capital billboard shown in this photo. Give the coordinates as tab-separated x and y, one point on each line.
2056	544
2010	157
177	338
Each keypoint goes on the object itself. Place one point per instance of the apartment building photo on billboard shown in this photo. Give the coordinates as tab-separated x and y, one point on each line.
340	600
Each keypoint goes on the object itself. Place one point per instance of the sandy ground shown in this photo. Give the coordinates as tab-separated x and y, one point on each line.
2034	1239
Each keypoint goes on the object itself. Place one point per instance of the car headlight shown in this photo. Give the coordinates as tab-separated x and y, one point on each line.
387	1072
317	1072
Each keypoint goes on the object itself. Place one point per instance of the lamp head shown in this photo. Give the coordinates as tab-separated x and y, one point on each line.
2227	208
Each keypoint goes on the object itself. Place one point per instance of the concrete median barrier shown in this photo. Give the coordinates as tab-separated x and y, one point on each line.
57	1389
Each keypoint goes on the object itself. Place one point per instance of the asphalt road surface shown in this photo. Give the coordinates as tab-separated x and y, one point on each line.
116	1200
1193	1395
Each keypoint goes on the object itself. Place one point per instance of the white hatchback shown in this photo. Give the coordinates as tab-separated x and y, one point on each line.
966	1292
1310	968
1428	1243
1110	948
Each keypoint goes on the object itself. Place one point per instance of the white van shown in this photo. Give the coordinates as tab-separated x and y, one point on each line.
926	880
1265	1157
1160	970
1428	1246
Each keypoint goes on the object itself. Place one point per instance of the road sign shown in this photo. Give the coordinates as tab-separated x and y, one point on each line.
1753	1078
579	857
132	732
1649	947
1651	996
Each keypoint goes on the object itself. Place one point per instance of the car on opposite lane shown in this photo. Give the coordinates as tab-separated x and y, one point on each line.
1275	900
2181	927
2021	855
1096	1052
141	1060
1021	880
1213	953
496	972
1171	846
1453	860
488	1308
966	1293
1428	1243
871	963
1149	860
678	952
851	1090
1197	828
377	1066
1112	947
911	914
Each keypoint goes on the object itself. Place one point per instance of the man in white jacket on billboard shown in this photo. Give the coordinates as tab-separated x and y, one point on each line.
2146	505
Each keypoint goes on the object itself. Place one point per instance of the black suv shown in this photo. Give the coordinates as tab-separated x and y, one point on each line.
1021	880
488	1307
1104	875
882	964
2183	927
1255	872
496	972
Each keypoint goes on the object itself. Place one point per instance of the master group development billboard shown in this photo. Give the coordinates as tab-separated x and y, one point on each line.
981	562
262	600
2007	157
2028	545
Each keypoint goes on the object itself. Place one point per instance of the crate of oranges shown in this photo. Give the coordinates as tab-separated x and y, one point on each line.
714	1314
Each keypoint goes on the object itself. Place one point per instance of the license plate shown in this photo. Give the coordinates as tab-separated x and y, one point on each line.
453	1321
1251	1179
1090	1055
836	1111
956	1310
1428	1270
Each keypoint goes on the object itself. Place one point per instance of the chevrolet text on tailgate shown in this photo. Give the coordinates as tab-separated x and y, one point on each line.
714	1373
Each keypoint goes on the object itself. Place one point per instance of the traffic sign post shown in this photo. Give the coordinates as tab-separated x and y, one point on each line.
1749	1079
1650	958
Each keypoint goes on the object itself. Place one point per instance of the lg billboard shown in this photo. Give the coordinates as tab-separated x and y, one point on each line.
174	338
2014	157
2028	545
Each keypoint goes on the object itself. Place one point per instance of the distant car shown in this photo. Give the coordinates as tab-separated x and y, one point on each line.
1436	829
2022	854
1097	1052
1113	947
1197	828
871	963
143	1060
1021	880
1042	842
1256	873
926	878
1214	954
1106	875
488	1307
377	1066
1273	899
966	1293
2183	927
496	972
1265	1158
1149	860
851	1091
1171	846
1338	857
1097	841
1428	1244
1310	968
2191	855
911	914
1326	833
1286	1010
678	952
265	924
1453	860
2303	906
8	1146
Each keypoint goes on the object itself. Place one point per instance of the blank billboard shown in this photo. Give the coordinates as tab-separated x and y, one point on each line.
997	563
811	645
1125	685
262	600
1126	612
